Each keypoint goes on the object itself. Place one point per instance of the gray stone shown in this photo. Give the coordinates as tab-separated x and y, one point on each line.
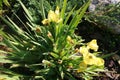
94	3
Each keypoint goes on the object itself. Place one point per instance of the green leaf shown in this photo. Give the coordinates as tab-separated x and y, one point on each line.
26	11
63	9
2	52
3	59
54	55
70	76
42	9
15	28
79	15
7	77
1	1
6	3
68	17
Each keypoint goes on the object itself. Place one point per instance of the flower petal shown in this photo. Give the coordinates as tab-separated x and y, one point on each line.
93	45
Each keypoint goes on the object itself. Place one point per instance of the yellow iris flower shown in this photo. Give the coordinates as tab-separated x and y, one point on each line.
89	58
53	16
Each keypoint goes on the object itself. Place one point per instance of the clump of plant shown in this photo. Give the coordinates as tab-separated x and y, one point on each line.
50	51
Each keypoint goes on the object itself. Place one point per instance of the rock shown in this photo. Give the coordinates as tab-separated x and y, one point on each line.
94	3
106	14
115	1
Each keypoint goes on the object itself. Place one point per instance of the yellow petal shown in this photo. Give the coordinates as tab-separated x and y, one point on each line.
57	11
49	34
82	67
45	21
84	51
89	59
52	16
93	45
99	62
